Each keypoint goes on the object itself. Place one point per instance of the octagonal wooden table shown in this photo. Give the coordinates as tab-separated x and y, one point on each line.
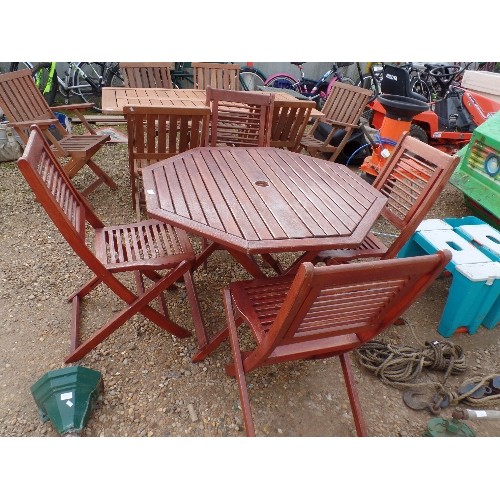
263	201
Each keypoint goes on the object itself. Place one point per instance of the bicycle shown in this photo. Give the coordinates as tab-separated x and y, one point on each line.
316	90
371	76
251	78
81	79
425	78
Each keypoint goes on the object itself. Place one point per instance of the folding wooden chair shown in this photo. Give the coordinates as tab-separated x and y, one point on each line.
157	133
24	105
289	123
321	312
412	180
216	75
342	111
239	118
147	74
144	248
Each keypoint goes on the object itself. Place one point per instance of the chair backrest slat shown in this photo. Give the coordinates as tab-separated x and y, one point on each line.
412	180
147	75
345	103
352	302
157	133
216	75
22	101
53	188
240	118
289	123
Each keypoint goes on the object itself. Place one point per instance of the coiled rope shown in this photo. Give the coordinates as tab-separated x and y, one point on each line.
401	367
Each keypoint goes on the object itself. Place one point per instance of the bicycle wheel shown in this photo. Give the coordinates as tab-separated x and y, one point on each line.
45	76
87	81
346	79
420	87
18	66
251	78
114	77
281	82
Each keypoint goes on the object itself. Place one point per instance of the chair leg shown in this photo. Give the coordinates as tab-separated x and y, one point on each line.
238	364
199	327
100	173
136	305
353	395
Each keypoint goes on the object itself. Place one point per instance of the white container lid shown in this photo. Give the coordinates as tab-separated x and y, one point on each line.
484	271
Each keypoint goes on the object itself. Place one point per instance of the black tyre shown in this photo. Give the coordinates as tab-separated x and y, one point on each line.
114	78
347	80
281	82
46	81
251	78
18	66
367	177
420	87
367	114
419	133
88	80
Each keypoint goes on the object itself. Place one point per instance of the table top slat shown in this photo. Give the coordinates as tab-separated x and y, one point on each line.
259	200
115	98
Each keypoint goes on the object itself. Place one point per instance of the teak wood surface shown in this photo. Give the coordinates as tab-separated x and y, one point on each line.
114	99
261	201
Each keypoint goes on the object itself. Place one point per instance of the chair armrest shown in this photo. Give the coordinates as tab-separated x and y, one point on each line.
337	123
45	123
72	107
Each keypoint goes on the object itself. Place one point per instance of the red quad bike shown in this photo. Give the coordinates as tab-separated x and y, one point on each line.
446	123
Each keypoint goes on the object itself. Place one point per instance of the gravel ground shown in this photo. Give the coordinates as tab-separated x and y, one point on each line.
151	387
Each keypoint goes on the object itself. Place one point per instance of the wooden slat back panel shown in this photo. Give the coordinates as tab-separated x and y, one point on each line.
216	75
353	302
240	118
147	75
289	122
346	103
412	180
53	188
20	99
157	133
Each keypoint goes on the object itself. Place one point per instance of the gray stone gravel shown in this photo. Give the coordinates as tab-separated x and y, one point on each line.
151	387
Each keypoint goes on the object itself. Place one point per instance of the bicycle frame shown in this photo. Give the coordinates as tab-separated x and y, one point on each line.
313	89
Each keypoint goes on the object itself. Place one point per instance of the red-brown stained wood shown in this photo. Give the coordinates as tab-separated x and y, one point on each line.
216	75
157	133
262	200
320	312
342	111
240	119
289	123
24	105
146	247
147	75
412	180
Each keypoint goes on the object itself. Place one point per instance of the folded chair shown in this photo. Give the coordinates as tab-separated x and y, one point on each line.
239	118
147	74
157	133
24	105
144	248
289	123
342	111
216	75
412	180
321	312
